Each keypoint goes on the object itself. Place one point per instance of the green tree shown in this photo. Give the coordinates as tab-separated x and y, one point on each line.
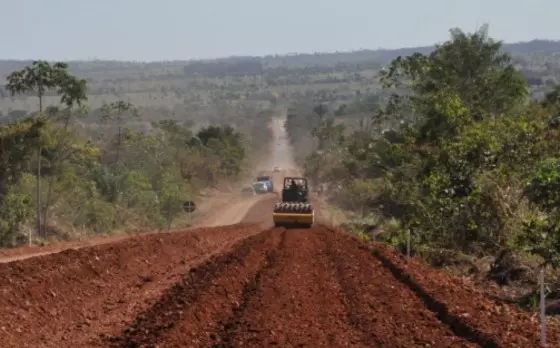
17	142
469	67
460	139
118	112
60	146
226	143
38	79
321	110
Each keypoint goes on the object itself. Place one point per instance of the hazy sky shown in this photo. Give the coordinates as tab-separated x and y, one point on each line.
185	29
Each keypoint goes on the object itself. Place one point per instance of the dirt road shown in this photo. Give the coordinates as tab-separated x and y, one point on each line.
237	212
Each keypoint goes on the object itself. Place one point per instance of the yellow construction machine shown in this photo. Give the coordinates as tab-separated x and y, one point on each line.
294	210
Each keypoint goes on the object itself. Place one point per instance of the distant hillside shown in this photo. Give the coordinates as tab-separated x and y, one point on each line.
257	65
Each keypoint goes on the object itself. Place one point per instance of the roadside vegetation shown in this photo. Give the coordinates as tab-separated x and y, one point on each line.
453	151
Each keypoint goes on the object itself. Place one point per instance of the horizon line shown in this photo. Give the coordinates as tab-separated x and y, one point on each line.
288	54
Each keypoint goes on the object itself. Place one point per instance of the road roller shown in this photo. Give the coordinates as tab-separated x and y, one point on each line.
294	209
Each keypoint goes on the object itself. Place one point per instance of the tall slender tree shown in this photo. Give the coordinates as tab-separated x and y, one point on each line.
37	79
117	111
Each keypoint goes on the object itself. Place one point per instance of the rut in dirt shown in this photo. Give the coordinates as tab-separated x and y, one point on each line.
205	297
226	334
470	316
69	299
297	301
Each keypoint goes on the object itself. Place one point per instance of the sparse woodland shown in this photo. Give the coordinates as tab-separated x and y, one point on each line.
457	144
69	170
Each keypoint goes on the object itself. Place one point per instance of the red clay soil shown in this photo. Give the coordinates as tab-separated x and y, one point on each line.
192	311
388	312
492	321
70	298
303	287
314	288
468	312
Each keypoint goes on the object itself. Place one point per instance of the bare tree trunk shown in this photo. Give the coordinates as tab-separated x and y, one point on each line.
39	225
39	176
115	169
48	201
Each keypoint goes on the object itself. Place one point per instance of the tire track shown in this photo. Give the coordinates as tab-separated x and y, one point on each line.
297	302
467	312
388	312
206	296
227	333
455	323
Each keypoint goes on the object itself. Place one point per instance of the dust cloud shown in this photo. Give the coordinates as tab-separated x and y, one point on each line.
282	155
280	149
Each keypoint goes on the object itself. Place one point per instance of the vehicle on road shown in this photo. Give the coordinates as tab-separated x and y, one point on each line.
259	187
267	180
294	209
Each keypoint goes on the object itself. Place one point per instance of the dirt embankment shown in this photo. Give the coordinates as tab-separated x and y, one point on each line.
233	211
67	298
222	210
322	288
313	287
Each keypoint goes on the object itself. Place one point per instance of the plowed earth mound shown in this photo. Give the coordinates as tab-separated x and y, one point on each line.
69	298
321	288
239	286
